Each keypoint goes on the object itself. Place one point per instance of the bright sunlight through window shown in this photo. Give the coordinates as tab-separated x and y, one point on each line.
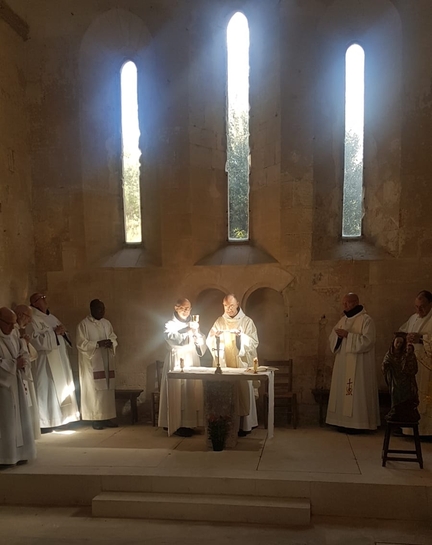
238	128
130	153
354	138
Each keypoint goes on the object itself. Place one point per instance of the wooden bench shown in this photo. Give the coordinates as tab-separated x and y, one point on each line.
132	396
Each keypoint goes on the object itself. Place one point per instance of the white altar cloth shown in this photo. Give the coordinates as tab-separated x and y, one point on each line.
228	374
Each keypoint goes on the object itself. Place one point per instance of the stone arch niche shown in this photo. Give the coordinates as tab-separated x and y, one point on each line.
113	38
208	305
266	308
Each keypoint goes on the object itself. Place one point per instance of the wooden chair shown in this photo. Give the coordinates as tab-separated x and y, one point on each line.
283	391
417	458
156	393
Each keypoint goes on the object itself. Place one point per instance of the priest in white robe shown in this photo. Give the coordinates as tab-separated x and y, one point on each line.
353	402
181	401
238	348
17	444
55	386
97	343
24	315
419	334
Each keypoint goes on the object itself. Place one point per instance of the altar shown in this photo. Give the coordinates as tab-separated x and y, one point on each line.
220	396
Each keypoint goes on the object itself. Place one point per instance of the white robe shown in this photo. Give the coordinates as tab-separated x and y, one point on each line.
237	358
96	369
353	401
29	385
55	386
423	353
184	406
16	430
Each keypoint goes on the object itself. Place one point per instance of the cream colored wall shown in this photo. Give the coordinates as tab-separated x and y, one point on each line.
16	225
297	51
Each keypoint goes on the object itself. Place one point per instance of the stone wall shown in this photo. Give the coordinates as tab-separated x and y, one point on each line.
296	77
16	223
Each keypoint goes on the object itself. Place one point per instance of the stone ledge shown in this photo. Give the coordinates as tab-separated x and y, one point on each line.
354	250
237	254
128	258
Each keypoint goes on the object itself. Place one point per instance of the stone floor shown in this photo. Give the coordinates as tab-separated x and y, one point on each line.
319	455
305	453
74	526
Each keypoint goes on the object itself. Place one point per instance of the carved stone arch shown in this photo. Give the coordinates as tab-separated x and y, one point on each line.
208	304
209	286
196	282
278	281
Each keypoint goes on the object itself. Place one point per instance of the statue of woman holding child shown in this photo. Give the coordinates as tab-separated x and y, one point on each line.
400	368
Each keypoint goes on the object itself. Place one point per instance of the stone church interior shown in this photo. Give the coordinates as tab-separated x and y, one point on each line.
128	175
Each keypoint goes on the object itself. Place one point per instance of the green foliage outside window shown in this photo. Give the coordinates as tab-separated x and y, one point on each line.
238	175
353	186
132	199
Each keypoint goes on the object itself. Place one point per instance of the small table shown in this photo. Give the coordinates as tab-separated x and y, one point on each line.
132	396
230	375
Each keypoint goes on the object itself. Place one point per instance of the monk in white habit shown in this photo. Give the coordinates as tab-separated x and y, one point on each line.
182	409
353	402
55	386
24	315
419	334
96	343
237	348
17	444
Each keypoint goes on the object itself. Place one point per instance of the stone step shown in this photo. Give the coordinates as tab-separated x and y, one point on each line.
204	508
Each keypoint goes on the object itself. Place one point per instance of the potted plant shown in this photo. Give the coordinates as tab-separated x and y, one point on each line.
218	427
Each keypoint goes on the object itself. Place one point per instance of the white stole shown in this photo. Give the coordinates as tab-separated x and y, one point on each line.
55	362
352	325
103	365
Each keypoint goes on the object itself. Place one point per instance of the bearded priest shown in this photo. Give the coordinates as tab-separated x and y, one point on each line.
238	348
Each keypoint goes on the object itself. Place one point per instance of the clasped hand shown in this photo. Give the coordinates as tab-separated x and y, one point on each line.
60	330
413	338
21	362
341	333
105	343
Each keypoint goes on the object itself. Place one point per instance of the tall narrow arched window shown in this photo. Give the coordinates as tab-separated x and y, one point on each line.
238	127
354	139
130	154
